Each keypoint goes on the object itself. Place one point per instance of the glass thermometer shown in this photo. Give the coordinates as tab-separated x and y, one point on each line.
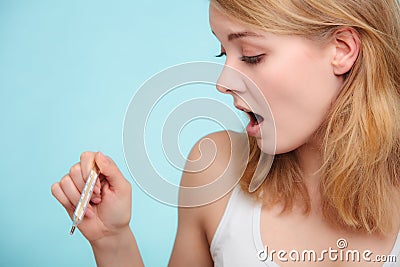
85	197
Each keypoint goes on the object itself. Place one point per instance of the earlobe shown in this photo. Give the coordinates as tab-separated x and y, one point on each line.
347	44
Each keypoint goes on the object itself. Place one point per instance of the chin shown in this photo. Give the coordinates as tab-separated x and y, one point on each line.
268	147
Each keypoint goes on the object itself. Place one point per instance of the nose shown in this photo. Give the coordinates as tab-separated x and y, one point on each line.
230	80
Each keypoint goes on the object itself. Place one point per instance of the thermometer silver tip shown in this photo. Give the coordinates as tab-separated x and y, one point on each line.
72	230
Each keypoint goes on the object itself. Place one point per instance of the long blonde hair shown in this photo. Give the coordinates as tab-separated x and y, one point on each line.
360	177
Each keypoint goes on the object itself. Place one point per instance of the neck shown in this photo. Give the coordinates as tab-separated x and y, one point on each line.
310	161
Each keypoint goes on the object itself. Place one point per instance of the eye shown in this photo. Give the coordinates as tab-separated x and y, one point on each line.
253	59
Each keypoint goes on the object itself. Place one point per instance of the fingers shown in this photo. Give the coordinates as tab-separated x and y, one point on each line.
68	195
110	171
76	175
86	163
59	194
70	190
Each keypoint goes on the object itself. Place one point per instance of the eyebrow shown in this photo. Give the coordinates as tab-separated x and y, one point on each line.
238	35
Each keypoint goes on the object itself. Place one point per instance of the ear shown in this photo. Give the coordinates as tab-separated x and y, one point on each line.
347	44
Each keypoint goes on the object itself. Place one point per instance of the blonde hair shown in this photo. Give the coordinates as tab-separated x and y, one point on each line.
360	177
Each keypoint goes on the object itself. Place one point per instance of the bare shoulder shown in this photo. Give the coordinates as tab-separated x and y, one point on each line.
213	164
210	174
213	168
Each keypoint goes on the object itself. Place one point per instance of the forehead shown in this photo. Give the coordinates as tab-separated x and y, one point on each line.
227	28
219	22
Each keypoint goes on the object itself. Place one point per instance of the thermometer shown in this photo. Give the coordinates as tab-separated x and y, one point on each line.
85	197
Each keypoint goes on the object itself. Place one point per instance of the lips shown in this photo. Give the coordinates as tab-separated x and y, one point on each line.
255	118
253	127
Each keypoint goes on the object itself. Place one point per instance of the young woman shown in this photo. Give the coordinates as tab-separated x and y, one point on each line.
329	70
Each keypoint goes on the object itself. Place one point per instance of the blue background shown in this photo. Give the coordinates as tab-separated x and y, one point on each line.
68	70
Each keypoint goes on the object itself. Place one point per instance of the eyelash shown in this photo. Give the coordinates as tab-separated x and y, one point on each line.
253	60
221	54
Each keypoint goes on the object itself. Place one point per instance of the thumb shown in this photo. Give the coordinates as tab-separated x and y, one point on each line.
109	170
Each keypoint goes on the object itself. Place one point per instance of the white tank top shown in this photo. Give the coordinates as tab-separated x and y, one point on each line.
237	241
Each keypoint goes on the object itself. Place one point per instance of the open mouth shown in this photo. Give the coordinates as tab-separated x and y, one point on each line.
253	128
255	119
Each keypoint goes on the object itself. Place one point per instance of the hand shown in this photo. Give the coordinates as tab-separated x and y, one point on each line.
109	210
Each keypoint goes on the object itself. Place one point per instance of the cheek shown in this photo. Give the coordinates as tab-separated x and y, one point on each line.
299	92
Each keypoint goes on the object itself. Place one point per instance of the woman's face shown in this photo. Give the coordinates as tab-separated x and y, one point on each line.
294	75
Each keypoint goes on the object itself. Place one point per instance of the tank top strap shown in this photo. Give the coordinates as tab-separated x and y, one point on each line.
233	242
